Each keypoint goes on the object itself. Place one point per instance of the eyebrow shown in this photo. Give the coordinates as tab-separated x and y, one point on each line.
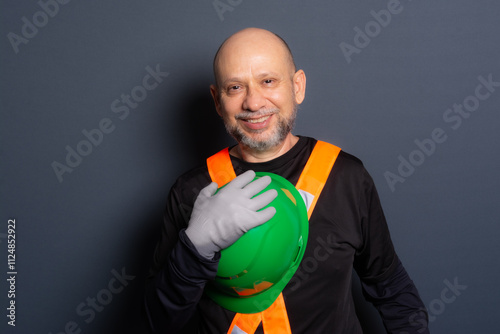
261	75
268	74
233	79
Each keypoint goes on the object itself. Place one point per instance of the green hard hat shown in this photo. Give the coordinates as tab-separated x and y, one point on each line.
255	269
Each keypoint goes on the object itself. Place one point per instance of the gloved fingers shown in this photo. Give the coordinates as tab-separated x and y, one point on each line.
265	215
255	187
256	219
202	200
209	190
260	201
241	180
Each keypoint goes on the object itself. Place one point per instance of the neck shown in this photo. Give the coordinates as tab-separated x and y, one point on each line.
247	154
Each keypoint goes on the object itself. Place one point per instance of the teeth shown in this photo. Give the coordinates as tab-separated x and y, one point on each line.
258	120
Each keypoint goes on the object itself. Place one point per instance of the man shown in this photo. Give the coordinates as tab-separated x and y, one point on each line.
256	93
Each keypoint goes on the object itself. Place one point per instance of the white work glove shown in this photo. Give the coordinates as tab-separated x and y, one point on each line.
218	220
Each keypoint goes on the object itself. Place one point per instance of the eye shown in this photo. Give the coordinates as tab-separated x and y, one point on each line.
233	88
269	82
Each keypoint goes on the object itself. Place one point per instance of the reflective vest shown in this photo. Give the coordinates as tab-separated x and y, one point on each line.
310	184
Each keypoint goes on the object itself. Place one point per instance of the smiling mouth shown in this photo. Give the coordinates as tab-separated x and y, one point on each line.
257	120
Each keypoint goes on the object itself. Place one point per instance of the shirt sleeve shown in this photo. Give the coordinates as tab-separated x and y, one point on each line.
375	258
177	280
385	282
398	302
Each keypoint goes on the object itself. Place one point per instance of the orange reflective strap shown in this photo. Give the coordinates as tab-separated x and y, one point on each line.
220	167
245	323
274	320
311	182
315	173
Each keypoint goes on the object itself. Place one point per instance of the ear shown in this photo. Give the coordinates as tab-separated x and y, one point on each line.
299	86
215	95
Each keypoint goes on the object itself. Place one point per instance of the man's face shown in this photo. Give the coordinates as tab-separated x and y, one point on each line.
256	95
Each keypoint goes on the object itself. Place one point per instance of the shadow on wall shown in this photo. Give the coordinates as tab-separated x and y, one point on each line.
203	132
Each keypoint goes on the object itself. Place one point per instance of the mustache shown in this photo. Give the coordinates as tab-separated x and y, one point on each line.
257	114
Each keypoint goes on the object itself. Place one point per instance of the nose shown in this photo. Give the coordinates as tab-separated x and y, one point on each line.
254	99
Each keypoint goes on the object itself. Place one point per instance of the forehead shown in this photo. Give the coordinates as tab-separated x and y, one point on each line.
252	56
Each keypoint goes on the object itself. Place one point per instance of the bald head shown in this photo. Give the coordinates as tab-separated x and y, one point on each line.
257	92
252	40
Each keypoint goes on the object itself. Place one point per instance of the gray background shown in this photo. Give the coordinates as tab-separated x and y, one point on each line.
105	215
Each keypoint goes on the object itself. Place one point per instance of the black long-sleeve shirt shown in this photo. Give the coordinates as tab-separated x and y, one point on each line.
346	230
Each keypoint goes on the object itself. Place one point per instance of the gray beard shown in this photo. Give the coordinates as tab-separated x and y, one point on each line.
284	127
